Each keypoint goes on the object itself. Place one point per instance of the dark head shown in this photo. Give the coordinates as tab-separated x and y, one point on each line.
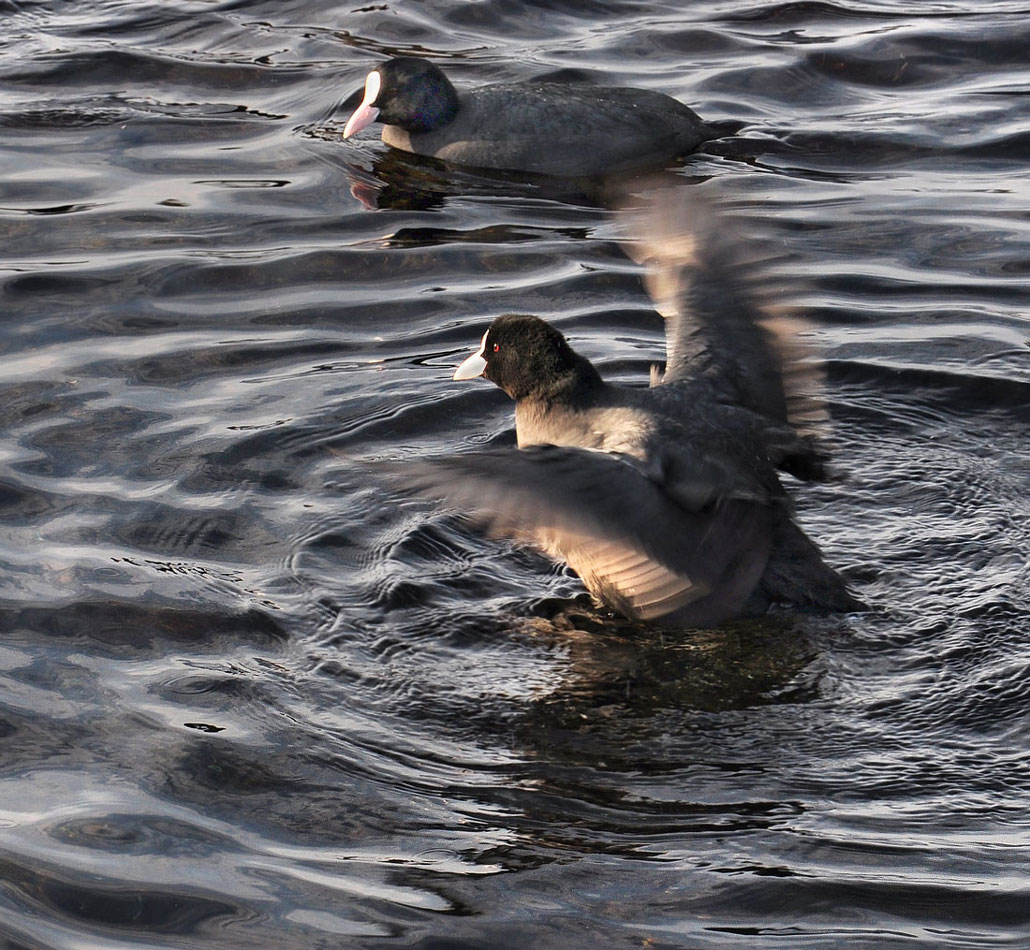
525	356
408	92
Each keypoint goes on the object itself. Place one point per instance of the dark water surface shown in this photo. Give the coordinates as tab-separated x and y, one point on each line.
250	699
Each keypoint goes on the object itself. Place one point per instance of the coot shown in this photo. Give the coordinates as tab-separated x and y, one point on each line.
665	500
541	127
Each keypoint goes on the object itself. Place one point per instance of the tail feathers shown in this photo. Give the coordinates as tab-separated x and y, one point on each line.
797	574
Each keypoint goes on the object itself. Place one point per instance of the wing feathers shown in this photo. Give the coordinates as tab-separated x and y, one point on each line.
727	312
633	546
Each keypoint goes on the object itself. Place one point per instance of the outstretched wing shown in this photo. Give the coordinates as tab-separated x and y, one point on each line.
634	547
727	315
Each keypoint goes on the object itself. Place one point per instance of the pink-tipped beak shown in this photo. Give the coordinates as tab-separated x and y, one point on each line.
365	114
360	118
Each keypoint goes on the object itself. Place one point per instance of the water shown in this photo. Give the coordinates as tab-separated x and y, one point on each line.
249	698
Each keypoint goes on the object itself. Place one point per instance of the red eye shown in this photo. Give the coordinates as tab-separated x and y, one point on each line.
497	347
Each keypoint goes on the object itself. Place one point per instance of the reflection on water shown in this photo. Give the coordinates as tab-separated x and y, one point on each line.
249	697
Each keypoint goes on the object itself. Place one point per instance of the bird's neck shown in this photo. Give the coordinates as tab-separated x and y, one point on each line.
554	414
572	384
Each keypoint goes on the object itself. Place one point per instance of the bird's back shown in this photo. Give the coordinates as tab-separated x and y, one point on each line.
561	129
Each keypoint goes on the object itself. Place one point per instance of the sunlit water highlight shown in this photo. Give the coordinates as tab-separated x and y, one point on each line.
250	698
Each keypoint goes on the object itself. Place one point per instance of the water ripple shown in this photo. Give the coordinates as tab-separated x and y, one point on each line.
250	696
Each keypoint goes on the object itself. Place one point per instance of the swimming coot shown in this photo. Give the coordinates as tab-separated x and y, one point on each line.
540	127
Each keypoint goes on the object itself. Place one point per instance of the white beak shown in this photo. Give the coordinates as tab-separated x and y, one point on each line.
366	113
475	365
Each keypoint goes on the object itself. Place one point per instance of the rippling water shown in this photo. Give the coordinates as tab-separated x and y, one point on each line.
251	699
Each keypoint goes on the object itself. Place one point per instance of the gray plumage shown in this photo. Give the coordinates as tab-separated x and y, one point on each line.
539	127
665	500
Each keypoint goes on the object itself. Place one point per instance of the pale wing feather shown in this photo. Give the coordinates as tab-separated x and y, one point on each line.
728	315
642	587
633	546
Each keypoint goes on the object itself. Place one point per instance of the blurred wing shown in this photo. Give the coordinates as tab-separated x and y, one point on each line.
724	309
631	544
